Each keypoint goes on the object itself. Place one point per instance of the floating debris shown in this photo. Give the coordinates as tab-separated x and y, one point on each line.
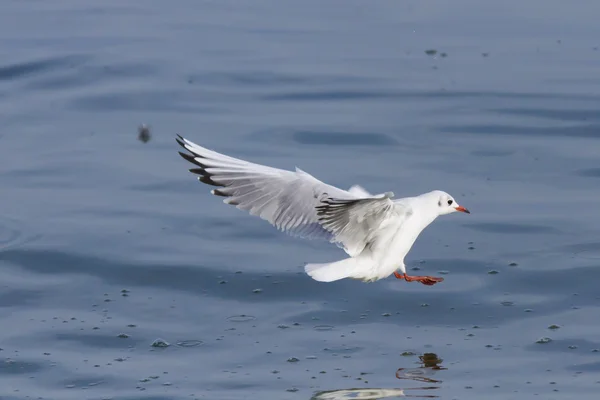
292	360
123	335
553	327
160	343
144	135
513	264
431	52
407	354
493	272
543	340
257	291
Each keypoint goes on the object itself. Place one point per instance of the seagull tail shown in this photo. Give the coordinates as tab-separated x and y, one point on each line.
332	271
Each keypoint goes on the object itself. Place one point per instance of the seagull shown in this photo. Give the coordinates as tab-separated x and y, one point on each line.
375	231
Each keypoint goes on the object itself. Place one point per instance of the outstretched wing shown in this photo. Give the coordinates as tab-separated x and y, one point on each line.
287	199
356	223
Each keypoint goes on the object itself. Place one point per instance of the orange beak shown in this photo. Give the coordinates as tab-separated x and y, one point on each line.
462	209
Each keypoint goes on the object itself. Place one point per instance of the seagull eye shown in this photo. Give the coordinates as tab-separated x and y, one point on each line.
449	202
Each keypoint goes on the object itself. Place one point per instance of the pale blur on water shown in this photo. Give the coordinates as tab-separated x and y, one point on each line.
108	243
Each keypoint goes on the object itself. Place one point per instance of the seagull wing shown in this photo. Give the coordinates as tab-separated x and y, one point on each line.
286	199
357	223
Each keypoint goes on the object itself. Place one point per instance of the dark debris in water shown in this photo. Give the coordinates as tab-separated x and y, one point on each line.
144	135
160	343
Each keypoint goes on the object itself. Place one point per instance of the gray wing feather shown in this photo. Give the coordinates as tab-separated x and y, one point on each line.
286	199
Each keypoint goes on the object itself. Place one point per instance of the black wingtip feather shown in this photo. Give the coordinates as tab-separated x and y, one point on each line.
206	179
191	159
217	192
198	171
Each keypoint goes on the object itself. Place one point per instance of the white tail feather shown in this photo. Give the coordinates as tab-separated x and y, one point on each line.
334	271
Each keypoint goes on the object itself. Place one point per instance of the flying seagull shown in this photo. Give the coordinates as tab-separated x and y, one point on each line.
374	230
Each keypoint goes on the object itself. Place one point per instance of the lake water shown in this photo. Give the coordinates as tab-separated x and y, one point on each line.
108	243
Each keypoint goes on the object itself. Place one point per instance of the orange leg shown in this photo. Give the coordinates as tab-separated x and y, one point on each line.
425	280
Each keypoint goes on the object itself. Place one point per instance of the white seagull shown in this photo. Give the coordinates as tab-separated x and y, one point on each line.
376	231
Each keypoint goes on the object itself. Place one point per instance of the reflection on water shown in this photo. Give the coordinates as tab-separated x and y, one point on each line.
430	363
429	366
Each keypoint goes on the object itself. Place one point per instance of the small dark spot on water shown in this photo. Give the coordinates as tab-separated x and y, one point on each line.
507	303
485	54
553	327
513	264
431	52
160	343
293	360
144	135
493	272
123	335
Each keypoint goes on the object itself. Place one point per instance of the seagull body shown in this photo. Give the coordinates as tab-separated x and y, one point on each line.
374	230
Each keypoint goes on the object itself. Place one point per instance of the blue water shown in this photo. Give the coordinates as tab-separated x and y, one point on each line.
108	243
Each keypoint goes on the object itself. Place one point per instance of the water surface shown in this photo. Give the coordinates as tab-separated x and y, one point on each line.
107	243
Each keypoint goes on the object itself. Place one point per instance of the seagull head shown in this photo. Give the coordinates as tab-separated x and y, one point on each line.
446	204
